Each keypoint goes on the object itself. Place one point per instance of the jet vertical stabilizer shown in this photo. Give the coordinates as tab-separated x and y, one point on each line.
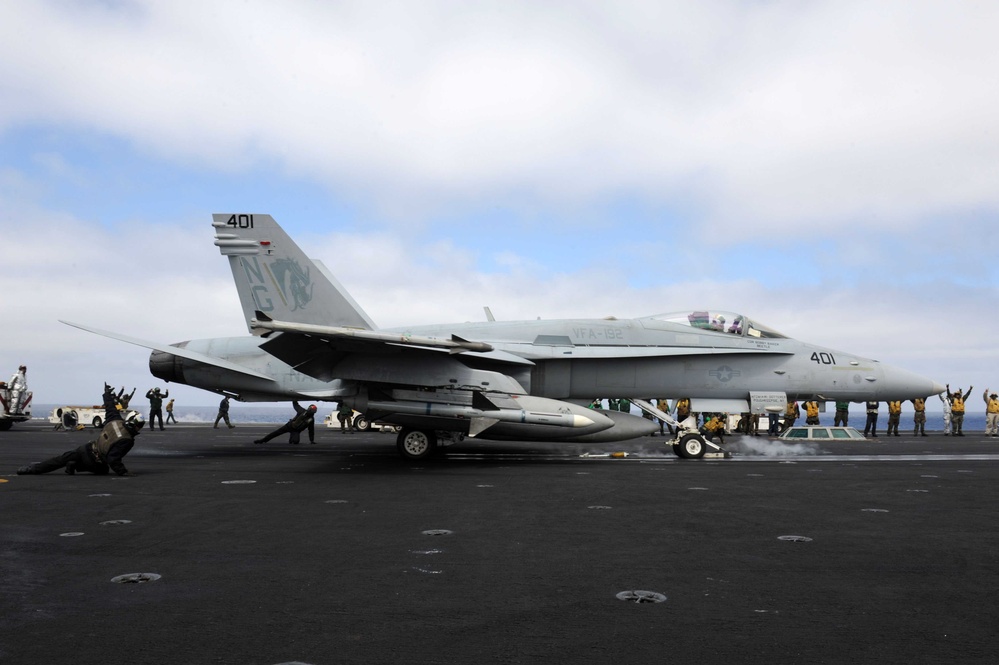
275	277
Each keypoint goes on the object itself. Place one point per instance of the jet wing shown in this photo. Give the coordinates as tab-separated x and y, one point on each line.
339	334
174	350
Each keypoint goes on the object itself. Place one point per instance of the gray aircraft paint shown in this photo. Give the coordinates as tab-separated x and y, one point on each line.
312	340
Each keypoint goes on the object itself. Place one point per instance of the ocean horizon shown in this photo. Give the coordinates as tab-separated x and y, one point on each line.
193	415
248	413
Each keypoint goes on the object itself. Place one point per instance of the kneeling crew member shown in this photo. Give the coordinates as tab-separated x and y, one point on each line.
115	441
714	427
304	419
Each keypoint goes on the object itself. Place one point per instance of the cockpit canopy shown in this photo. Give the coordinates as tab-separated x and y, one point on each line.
721	322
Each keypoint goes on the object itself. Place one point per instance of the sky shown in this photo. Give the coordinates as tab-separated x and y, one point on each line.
829	168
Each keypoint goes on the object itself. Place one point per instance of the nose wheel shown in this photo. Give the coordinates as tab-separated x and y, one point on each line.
690	446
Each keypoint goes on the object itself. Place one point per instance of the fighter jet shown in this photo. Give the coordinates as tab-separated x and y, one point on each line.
524	380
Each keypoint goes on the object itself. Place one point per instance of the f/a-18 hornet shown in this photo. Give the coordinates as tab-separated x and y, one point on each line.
528	380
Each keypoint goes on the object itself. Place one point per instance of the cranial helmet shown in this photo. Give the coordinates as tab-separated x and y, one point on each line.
312	407
134	421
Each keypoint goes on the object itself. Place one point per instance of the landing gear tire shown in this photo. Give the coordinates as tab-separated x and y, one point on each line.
97	422
690	446
415	444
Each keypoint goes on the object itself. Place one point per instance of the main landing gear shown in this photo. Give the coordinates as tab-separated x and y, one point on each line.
415	444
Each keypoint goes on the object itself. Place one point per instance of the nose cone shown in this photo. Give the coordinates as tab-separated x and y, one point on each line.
901	384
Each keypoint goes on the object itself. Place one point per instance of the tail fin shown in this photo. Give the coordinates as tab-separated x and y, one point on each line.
275	277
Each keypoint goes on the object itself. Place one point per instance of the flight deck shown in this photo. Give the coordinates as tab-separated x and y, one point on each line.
221	551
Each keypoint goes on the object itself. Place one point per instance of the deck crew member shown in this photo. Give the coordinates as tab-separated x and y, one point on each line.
919	418
125	398
715	427
946	413
842	416
682	409
223	413
663	405
302	420
811	412
106	453
18	389
155	398
894	416
991	413
791	415
957	409
872	420
345	416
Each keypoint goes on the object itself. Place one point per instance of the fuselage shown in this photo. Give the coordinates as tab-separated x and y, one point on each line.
657	357
583	359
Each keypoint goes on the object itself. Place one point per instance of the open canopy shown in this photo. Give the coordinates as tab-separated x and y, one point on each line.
719	321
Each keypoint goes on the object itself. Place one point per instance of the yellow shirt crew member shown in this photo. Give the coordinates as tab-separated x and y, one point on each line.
811	413
957	409
894	415
919	418
991	413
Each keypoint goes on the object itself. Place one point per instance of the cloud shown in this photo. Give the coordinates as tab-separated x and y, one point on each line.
168	283
768	113
828	168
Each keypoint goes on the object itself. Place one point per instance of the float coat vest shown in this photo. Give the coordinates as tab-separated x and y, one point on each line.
112	433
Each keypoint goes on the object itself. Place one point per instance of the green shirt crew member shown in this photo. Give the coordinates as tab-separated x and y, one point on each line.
842	414
155	398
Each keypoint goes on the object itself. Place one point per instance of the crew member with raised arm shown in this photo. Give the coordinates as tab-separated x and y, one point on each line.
945	401
919	417
991	413
957	409
106	453
302	420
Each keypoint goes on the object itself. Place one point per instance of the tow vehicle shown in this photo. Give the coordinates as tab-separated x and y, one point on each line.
361	423
84	414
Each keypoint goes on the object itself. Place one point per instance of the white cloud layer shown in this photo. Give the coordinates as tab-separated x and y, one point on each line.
832	120
172	285
772	113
